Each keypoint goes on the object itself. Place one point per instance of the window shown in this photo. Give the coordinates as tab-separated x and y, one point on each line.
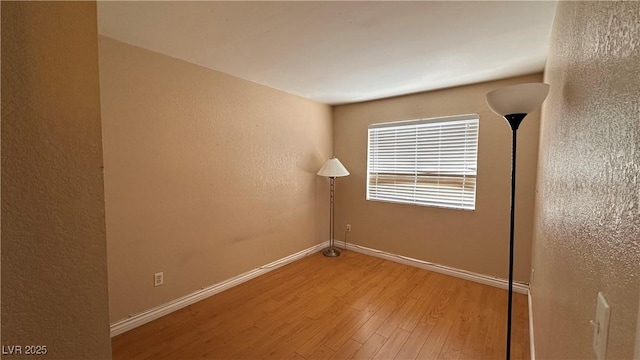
424	162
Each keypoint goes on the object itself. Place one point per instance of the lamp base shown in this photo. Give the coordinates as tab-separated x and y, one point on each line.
331	252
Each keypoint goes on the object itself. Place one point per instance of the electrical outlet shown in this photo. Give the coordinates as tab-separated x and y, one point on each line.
601	327
158	279
348	227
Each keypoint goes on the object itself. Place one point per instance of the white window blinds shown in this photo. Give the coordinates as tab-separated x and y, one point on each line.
424	162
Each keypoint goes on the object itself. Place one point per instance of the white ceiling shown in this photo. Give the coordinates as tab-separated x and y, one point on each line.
342	52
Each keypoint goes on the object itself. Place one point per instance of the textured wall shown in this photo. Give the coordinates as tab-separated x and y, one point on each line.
54	259
471	240
206	175
587	223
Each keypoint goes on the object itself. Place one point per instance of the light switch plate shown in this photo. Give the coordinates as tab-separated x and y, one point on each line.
601	327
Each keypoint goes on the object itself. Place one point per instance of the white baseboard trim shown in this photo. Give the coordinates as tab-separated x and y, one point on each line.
135	320
532	346
462	274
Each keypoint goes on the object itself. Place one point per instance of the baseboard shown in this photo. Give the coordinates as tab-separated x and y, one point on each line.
462	274
532	346
133	321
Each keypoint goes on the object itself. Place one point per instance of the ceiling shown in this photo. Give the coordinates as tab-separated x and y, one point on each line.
342	52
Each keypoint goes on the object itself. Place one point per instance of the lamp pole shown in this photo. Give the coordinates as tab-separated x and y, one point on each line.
331	250
514	121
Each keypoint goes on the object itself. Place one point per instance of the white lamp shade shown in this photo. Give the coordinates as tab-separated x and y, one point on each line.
333	168
517	99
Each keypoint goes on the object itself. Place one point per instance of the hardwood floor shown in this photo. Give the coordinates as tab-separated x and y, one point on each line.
351	307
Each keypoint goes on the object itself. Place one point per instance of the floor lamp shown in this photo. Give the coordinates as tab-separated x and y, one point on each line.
332	169
514	103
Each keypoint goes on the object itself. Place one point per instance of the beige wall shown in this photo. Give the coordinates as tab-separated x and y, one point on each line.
207	176
54	261
477	240
587	226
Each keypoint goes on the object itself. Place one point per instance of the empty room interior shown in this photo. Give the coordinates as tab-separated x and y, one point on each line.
320	180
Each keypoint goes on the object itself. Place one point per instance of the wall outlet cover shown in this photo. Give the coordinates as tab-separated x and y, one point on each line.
158	279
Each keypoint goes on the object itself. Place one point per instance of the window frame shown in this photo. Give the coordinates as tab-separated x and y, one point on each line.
415	123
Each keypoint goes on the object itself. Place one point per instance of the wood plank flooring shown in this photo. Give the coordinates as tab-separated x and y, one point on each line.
351	307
